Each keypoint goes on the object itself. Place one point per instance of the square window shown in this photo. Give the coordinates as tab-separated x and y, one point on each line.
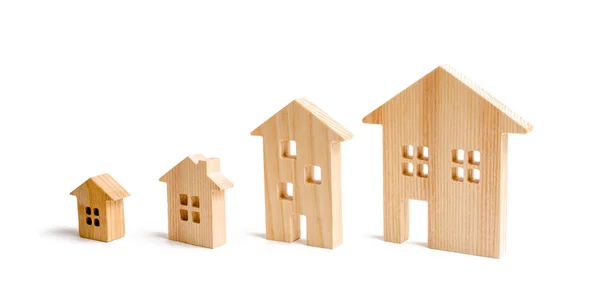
423	170
96	222
423	153
474	157
285	190
408	169
458	156
474	175
458	174
288	149
88	210
196	201
183	199
183	214
196	217
96	212
408	151
88	221
313	174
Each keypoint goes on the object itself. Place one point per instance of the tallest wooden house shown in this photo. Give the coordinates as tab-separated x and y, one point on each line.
302	161
445	142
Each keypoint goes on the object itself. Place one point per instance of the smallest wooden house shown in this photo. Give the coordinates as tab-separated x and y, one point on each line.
100	208
196	201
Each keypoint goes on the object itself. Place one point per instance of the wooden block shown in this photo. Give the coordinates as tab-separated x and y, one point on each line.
302	173
196	201
100	208
445	142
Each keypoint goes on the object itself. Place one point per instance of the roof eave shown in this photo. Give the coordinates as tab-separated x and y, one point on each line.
256	132
373	117
220	180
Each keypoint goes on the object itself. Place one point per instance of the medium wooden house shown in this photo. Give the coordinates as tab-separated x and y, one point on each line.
445	142
100	208
196	201
302	173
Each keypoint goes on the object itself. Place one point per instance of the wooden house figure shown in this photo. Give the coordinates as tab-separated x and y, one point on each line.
100	208
196	201
445	142
302	174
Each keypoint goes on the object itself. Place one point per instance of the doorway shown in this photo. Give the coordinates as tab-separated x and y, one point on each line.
419	229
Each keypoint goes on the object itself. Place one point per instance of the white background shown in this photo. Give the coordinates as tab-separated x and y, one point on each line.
132	87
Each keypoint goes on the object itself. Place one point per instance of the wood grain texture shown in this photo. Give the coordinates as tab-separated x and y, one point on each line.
100	208
447	114
317	140
196	201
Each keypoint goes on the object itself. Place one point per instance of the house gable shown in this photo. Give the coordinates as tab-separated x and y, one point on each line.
209	167
445	78
109	186
302	106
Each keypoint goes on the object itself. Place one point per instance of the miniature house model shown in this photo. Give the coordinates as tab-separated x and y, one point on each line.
100	208
301	148
445	142
196	201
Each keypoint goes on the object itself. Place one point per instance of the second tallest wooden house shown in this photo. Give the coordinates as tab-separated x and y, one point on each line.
302	165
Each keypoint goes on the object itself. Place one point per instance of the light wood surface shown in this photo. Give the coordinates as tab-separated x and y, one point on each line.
100	208
464	130
196	201
316	137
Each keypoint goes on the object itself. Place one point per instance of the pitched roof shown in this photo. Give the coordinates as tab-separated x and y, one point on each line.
220	180
108	184
216	177
316	112
522	123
